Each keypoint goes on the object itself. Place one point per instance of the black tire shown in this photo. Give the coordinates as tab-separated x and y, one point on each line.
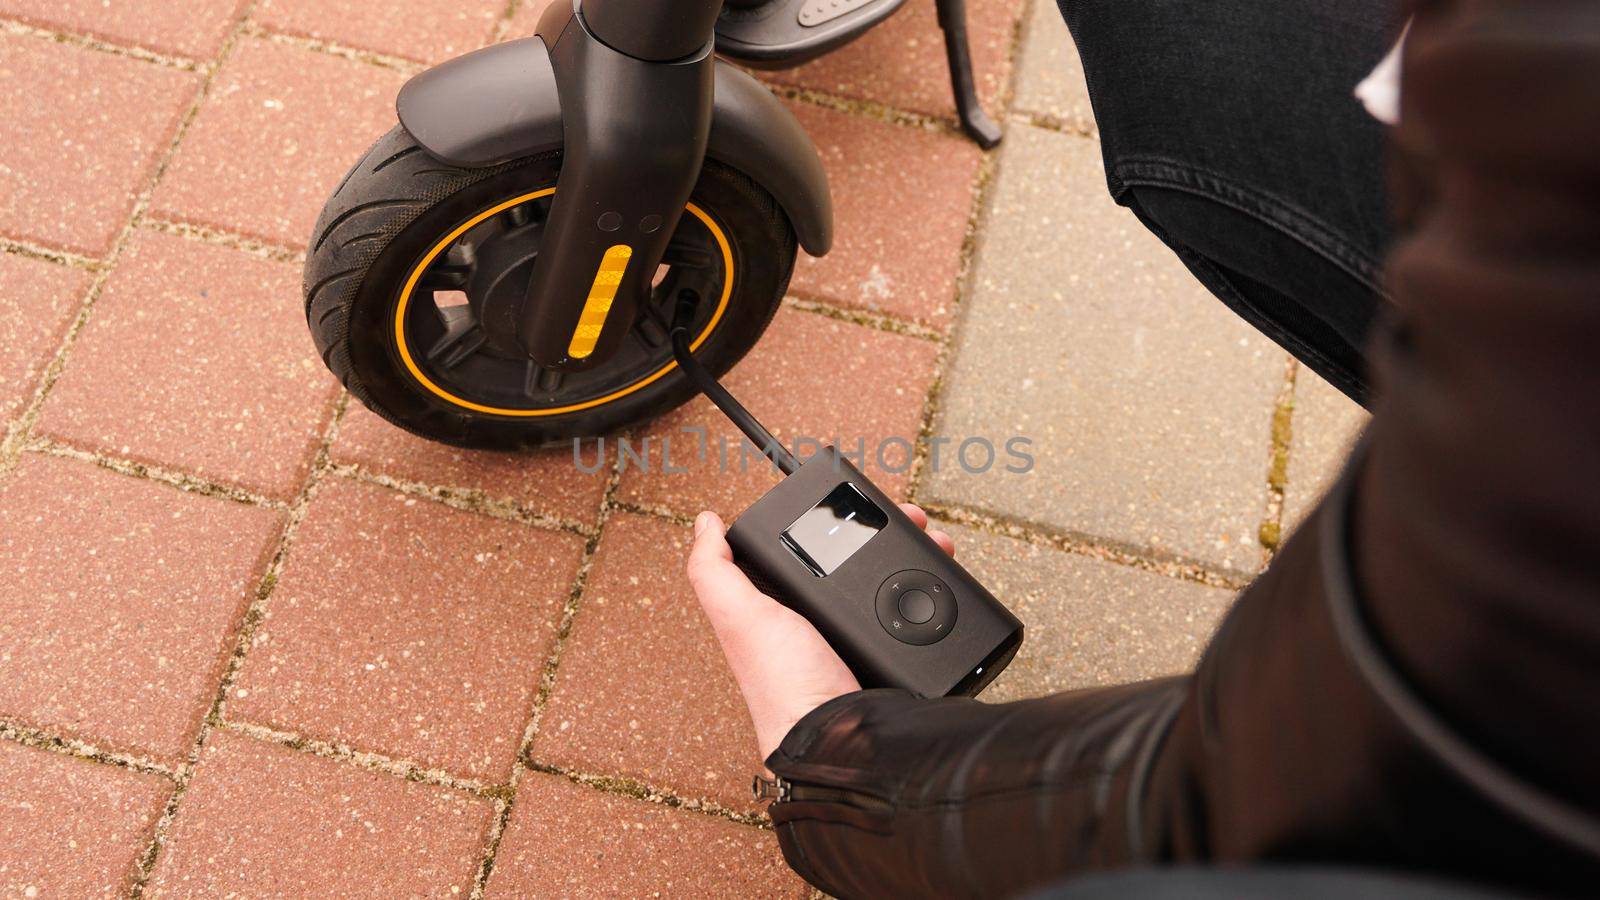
398	204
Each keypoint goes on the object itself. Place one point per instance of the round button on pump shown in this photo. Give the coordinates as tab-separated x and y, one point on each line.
916	607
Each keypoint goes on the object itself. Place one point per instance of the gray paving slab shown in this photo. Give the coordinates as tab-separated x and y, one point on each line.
1148	404
1324	425
1089	622
1049	75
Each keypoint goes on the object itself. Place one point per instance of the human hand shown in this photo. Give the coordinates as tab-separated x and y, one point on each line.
784	667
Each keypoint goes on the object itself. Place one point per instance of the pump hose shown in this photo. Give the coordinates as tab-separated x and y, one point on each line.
682	319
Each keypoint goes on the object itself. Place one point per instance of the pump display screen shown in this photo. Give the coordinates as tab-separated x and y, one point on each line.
833	530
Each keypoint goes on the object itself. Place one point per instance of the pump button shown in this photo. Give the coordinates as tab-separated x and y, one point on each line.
916	607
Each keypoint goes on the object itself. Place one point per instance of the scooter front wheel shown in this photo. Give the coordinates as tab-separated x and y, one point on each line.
416	268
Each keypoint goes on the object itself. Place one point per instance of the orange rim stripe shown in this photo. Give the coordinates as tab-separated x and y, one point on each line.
427	260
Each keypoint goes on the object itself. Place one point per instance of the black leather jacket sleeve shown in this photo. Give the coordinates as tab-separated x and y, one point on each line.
1414	682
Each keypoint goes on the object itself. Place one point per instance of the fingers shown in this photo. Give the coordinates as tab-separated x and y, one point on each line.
919	518
915	514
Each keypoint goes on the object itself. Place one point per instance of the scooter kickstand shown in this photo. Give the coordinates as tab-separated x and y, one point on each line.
976	122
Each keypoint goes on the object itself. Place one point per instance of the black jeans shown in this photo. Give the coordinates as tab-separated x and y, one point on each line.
1230	129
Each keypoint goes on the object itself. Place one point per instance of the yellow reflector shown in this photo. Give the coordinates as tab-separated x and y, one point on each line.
604	290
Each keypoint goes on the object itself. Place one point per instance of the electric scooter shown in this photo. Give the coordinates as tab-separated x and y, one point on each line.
500	269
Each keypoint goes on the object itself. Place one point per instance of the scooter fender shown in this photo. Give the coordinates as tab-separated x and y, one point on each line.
499	103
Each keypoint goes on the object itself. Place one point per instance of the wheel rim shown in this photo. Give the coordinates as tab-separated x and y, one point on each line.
473	274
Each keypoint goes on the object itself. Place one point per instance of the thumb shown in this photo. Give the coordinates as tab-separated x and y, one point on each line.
783	666
725	593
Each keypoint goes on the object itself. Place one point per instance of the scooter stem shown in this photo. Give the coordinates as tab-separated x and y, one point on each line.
654	30
636	118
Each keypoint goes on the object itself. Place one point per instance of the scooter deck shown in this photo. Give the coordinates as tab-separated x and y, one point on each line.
783	33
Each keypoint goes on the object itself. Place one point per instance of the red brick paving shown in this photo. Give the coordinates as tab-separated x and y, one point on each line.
423	30
565	840
36	302
70	827
857	384
77	156
409	628
545	482
190	28
259	819
642	690
117	602
119	597
901	62
902	198
282	126
196	358
527	16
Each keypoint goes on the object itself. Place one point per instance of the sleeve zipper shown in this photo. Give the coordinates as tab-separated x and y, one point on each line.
781	790
775	789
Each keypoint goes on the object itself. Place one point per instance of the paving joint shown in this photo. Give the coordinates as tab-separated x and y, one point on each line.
870	109
15	247
983	184
491	841
473	500
9	25
1086	545
1270	534
1047	121
503	24
1050	122
655	511
183	481
331	48
269	580
370	760
865	318
629	787
547	681
218	237
40	739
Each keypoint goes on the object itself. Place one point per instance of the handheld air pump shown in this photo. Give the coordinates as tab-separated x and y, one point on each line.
828	544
